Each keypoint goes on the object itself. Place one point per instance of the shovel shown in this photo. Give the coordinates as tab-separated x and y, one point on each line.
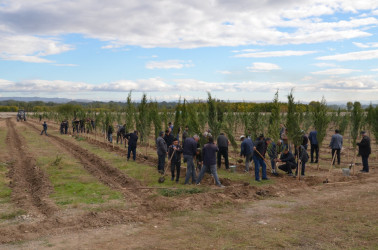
162	178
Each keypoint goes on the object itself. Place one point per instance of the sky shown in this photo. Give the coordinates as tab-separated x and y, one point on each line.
239	50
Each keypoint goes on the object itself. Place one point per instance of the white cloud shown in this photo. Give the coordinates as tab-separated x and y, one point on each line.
169	64
198	24
275	54
263	67
374	70
323	65
337	71
366	45
30	48
224	72
352	56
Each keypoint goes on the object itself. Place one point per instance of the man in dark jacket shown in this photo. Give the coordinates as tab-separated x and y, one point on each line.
303	157
110	133
44	130
174	153
314	145
121	133
161	146
246	151
259	157
132	142
189	152
209	161
288	158
168	137
336	145
364	150
222	143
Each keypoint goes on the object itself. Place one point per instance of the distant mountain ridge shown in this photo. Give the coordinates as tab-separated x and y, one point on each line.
43	99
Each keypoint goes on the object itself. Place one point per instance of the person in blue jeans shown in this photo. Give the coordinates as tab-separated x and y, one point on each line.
189	152
209	161
44	130
260	149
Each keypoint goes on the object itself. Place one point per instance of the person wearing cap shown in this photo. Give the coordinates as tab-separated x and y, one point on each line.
314	145
209	161
336	145
246	151
174	153
189	152
168	137
259	156
132	139
364	150
222	143
161	151
272	152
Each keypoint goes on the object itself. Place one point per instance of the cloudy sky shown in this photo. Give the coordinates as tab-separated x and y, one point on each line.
238	50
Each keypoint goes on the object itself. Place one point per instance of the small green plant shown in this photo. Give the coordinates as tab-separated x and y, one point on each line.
58	160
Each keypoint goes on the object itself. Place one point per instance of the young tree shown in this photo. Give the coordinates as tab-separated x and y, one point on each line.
321	121
214	124
143	119
274	119
130	114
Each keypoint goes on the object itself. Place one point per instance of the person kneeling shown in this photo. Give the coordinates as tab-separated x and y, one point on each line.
289	162
209	161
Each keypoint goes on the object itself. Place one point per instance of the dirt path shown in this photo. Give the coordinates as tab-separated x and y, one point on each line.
104	172
30	185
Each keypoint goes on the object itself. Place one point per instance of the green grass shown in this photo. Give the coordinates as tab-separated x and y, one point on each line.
5	191
180	191
12	215
72	183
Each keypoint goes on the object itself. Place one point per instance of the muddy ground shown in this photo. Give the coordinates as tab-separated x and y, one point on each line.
287	213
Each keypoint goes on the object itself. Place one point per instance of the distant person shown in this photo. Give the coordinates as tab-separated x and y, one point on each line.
161	146
336	145
289	161
272	152
121	133
110	133
65	126
314	145
364	150
304	139
303	157
259	156
185	134
132	139
282	131
174	153
246	151
62	127
44	130
189	152
209	161
222	143
168	137
40	118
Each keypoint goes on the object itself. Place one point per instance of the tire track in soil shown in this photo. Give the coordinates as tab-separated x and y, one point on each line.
30	185
99	168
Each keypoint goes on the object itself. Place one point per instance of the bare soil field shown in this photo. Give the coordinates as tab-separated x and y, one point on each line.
79	192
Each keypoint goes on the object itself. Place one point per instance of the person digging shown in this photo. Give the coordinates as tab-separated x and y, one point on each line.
174	153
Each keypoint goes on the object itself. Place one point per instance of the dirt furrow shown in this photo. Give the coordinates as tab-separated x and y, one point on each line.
103	171
30	185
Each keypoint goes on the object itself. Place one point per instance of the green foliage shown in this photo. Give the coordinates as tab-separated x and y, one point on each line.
193	120
375	124
214	123
320	120
356	119
180	191
68	109
130	114
142	118
344	122
274	119
156	118
292	122
176	123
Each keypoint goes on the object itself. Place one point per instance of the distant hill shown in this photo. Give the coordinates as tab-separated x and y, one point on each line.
42	99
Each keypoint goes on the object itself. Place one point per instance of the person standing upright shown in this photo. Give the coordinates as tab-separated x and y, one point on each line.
258	158
161	151
132	144
222	143
185	134
174	153
209	161
364	150
189	152
314	145
44	130
246	151
336	145
168	137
